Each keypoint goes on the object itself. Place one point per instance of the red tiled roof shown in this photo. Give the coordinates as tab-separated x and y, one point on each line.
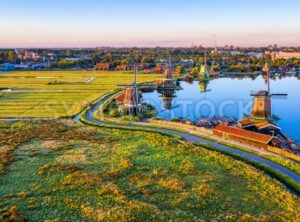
102	66
123	67
148	71
257	124
120	98
245	134
132	97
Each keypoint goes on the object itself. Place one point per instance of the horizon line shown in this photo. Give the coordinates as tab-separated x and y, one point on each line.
150	47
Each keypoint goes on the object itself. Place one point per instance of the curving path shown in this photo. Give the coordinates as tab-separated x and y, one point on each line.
89	116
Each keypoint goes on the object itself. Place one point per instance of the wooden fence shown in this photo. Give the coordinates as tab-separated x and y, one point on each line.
283	153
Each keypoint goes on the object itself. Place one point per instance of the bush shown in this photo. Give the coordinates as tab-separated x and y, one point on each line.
131	118
158	118
151	111
176	119
114	113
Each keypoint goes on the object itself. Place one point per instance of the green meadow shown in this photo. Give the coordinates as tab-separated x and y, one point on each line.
58	171
56	94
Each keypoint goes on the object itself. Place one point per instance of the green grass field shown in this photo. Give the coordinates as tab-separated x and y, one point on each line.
56	171
57	93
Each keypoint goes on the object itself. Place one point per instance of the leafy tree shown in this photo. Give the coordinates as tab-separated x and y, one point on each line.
195	71
12	57
180	69
268	58
69	53
201	60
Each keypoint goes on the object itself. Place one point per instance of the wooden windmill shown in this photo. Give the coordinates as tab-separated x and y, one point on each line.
262	108
168	82
131	98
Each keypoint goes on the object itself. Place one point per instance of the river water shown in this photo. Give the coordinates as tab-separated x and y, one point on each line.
230	97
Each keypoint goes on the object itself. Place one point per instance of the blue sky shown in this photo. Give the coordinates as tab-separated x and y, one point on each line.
90	23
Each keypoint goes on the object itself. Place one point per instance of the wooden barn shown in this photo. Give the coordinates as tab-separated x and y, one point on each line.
245	136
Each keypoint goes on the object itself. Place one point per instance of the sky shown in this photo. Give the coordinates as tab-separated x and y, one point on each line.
148	23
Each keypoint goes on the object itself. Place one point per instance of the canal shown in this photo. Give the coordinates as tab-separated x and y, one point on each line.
230	97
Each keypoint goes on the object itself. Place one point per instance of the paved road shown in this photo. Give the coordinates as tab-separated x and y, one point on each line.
191	138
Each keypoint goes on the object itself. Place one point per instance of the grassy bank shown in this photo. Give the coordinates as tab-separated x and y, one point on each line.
62	172
294	186
283	161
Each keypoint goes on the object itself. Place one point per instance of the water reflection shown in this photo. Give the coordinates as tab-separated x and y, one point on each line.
167	95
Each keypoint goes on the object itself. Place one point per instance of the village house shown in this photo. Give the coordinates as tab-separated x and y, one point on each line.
31	55
259	126
159	69
27	55
103	66
122	67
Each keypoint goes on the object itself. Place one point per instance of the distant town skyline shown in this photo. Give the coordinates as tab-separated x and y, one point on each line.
148	23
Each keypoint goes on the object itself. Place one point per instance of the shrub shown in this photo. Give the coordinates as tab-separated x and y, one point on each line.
176	119
114	113
158	118
150	111
131	118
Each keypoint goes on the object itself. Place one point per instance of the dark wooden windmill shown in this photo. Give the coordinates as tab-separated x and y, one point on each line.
262	107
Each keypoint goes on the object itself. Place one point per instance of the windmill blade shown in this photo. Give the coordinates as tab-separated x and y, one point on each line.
206	91
173	107
257	94
275	118
279	94
145	84
125	85
138	86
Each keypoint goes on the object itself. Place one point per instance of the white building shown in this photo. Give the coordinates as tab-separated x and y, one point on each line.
259	55
283	55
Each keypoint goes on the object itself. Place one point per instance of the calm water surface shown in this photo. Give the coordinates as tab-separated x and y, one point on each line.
231	97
